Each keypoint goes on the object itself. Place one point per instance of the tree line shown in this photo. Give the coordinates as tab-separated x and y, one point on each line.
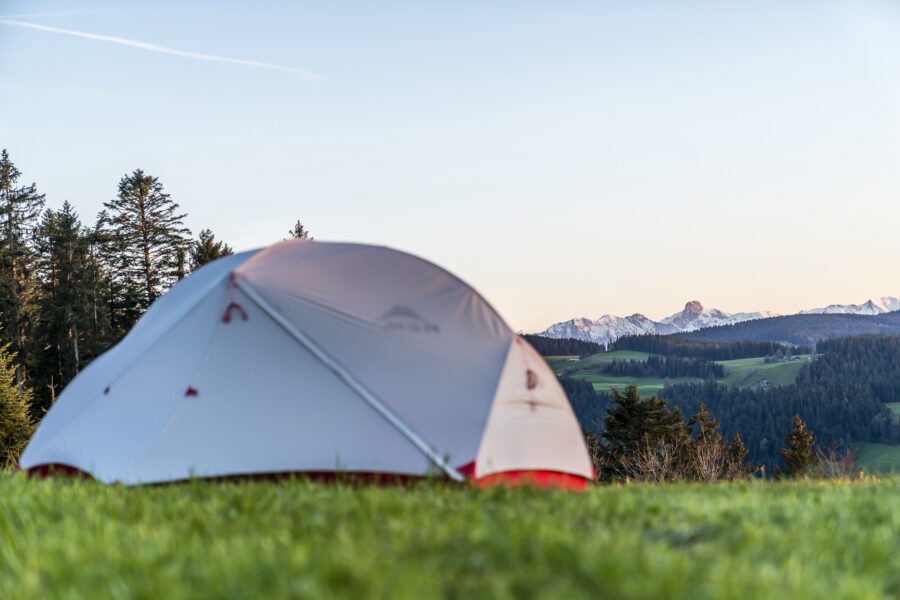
645	439
70	290
547	346
665	366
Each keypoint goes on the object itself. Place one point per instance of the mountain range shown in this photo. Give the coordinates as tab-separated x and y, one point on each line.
693	317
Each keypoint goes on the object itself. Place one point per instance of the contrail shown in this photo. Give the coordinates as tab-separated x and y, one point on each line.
59	13
305	75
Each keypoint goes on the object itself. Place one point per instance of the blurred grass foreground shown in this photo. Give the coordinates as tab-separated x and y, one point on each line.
63	538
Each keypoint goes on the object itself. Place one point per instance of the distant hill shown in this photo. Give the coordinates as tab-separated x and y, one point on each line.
804	330
561	347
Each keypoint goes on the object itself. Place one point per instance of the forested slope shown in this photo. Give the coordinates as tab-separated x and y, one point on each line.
841	396
803	330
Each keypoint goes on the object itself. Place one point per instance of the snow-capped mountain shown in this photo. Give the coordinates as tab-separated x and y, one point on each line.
609	328
695	317
872	307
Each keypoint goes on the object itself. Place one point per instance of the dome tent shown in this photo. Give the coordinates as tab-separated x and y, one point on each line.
319	358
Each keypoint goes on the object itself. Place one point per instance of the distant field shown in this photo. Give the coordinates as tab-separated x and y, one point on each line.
559	363
894	406
878	458
748	372
646	385
744	372
562	363
589	367
82	540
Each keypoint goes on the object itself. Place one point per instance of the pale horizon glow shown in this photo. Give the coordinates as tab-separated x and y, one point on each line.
568	160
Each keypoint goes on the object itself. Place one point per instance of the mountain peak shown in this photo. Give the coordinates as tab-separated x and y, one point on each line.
692	308
609	328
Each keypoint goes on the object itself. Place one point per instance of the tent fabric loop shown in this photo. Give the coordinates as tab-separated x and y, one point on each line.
226	318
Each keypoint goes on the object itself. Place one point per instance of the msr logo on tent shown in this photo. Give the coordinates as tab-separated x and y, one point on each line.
403	318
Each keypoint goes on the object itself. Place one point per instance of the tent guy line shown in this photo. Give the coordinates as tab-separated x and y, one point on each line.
303	74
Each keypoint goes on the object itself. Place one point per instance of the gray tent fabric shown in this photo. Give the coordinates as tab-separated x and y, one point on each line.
333	357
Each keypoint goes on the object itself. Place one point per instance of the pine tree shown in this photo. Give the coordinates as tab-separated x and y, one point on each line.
20	208
16	424
298	231
800	454
64	296
117	297
149	232
735	466
709	451
207	249
637	429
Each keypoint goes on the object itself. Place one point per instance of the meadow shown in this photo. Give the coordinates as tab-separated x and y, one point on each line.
748	372
745	372
881	459
590	367
79	539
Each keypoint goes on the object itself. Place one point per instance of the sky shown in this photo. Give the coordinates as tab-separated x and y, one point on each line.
567	159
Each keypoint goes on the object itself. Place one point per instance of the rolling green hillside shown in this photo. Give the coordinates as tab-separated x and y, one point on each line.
882	459
750	372
590	369
745	372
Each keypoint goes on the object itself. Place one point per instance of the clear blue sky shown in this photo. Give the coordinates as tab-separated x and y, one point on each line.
567	159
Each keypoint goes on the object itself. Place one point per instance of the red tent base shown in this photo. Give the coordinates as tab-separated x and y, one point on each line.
54	470
353	478
541	479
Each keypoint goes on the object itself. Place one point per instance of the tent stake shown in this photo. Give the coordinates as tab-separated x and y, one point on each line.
352	382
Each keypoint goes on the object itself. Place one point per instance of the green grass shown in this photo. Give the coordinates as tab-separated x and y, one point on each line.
62	539
560	363
878	458
589	369
592	362
646	385
744	372
748	372
894	406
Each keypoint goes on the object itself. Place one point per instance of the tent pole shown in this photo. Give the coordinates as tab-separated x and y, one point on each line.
352	382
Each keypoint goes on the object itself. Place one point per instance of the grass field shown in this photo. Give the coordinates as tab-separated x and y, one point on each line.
877	458
745	372
894	406
589	369
562	363
646	385
65	539
748	372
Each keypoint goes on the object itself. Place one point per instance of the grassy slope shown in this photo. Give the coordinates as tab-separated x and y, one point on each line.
62	539
878	458
748	372
745	372
587	368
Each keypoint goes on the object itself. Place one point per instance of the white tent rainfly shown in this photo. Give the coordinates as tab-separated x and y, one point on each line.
316	358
